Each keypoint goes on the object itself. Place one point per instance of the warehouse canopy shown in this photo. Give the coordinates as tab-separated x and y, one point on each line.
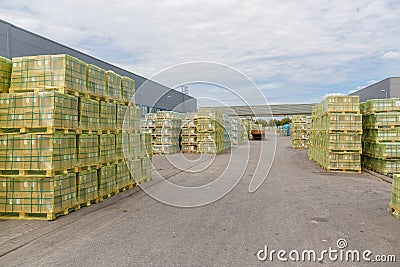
268	110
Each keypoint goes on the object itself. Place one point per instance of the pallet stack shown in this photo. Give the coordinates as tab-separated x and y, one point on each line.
227	132
394	206
61	132
237	130
166	133
210	131
381	135
189	134
5	74
300	131
335	138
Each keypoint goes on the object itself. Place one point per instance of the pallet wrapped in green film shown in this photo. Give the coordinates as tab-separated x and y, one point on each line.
187	148
382	135
96	81
122	117
146	142
37	196
107	148
384	150
211	113
107	180
166	149
300	143
5	74
108	116
300	135
113	85
37	152
87	186
89	110
46	72
135	167
395	200
38	110
335	104
133	146
123	177
391	119
299	119
341	141
342	122
147	168
342	161
134	118
120	149
189	139
88	150
381	105
128	90
382	166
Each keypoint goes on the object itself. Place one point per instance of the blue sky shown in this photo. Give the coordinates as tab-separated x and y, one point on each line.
295	51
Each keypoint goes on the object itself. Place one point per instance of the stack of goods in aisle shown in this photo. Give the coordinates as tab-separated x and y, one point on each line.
210	131
227	132
189	134
381	135
300	134
166	133
394	207
61	137
5	74
237	130
335	139
245	130
149	122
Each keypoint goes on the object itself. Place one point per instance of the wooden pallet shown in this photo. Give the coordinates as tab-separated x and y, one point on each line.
87	203
344	170
38	130
348	111
89	131
342	132
113	131
344	151
37	173
35	216
89	167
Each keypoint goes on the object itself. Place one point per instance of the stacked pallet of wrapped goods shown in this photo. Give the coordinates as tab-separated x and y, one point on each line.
210	131
335	138
5	74
61	137
167	131
381	135
300	131
245	130
394	206
227	132
189	134
237	130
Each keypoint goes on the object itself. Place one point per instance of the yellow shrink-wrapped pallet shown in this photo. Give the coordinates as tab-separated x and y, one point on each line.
107	181
113	82
108	116
96	81
135	167
123	178
88	150
107	148
87	190
47	72
128	90
37	197
5	74
38	152
48	109
89	114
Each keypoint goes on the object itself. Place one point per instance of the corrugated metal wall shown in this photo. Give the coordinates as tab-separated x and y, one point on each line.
389	88
16	42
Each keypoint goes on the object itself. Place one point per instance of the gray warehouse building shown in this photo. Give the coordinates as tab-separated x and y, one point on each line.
17	42
388	88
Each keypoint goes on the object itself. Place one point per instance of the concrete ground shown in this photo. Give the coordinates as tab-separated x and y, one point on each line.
299	207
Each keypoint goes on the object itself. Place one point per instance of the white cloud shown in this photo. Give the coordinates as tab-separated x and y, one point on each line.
392	55
303	44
